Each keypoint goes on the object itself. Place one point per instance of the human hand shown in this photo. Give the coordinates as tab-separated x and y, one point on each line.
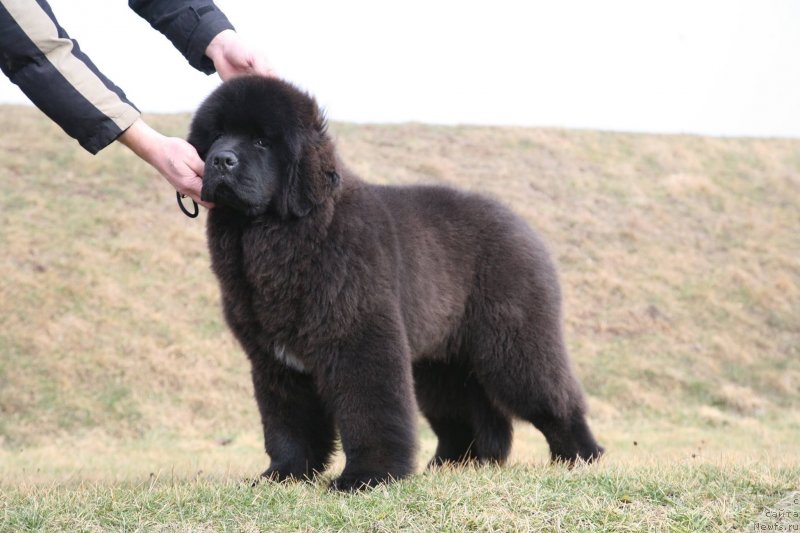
233	57
175	159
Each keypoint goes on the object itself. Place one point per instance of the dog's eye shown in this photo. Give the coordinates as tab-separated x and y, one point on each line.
261	143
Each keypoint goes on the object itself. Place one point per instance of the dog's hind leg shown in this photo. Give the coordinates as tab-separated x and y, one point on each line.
468	426
525	368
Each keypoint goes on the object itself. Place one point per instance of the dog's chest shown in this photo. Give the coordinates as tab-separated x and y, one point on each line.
252	272
287	284
295	288
283	355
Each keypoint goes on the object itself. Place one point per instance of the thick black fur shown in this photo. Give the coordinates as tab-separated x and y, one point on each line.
356	302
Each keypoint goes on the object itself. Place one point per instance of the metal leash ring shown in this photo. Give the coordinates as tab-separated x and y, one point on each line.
186	212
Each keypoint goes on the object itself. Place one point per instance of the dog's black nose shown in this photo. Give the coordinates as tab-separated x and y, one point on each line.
224	160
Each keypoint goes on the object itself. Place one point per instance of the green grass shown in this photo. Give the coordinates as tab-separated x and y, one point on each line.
681	275
678	497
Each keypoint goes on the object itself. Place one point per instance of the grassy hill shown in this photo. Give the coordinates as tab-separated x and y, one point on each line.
680	261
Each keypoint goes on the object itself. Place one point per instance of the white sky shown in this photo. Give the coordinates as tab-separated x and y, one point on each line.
721	67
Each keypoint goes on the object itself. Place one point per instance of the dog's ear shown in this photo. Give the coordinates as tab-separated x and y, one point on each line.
196	139
296	199
310	169
205	125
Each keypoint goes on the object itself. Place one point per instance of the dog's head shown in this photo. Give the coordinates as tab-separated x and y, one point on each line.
265	148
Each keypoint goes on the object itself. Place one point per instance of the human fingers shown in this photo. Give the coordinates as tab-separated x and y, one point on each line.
193	161
188	168
192	186
261	66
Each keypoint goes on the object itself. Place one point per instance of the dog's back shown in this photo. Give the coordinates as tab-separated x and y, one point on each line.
452	248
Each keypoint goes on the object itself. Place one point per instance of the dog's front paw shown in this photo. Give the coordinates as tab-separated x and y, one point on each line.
278	475
354	482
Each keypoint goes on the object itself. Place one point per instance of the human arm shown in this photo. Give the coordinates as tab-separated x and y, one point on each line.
38	55
204	35
190	25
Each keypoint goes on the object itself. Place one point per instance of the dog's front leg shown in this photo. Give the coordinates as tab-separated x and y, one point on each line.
370	387
299	435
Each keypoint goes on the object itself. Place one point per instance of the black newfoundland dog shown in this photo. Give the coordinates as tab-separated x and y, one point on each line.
356	302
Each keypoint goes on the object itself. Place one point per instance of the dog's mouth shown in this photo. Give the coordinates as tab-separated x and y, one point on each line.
218	192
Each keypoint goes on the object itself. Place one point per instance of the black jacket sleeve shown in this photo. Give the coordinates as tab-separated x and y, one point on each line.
37	55
189	24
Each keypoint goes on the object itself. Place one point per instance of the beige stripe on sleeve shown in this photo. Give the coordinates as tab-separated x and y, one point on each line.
38	26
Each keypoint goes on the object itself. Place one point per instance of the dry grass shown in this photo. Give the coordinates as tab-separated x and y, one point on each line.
679	260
